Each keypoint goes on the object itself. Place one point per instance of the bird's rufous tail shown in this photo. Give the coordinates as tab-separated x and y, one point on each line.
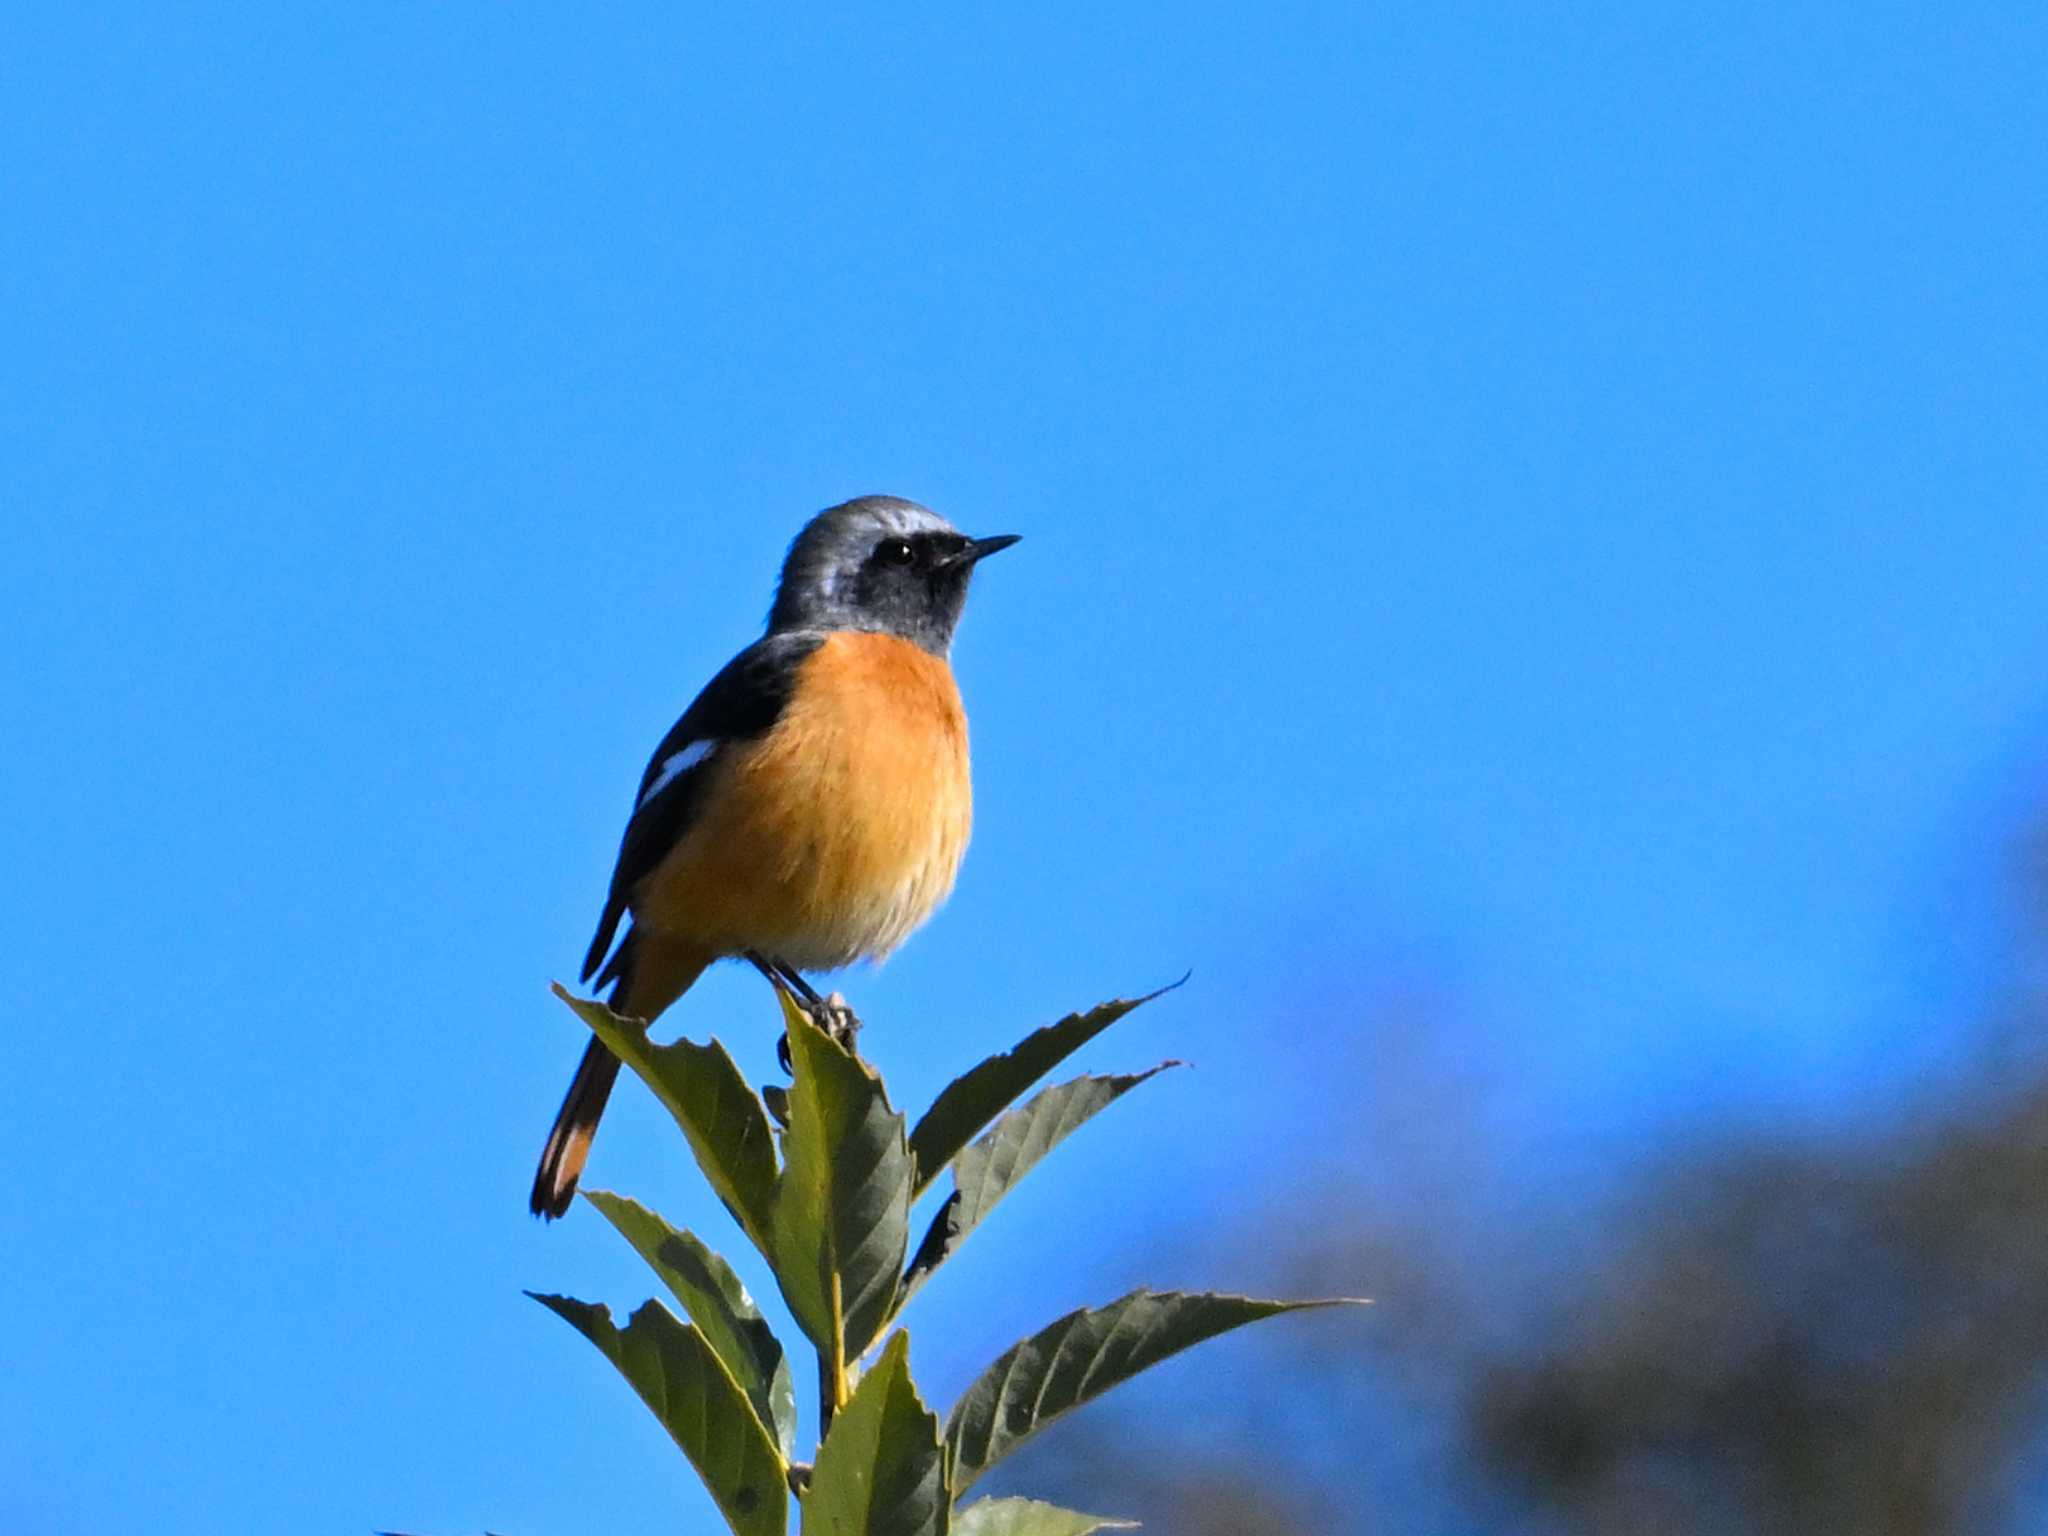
568	1148
648	983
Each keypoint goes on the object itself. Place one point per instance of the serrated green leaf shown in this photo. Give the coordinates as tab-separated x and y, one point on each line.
720	1115
965	1107
881	1471
994	1165
681	1378
1028	1517
1080	1357
713	1298
842	1210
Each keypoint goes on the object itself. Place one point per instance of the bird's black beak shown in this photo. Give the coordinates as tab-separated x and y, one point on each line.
978	549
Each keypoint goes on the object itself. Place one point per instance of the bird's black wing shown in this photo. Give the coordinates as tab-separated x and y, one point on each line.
742	701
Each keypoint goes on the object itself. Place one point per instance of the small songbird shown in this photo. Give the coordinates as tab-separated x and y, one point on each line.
810	807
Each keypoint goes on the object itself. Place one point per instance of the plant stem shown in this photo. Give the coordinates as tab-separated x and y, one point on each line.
840	1391
832	1388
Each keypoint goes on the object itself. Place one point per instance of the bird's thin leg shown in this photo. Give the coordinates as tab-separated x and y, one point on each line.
777	978
831	1014
795	978
780	983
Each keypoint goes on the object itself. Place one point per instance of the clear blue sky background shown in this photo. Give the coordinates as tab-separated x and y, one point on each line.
1551	508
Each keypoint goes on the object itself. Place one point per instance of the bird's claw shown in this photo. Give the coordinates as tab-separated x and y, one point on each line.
836	1017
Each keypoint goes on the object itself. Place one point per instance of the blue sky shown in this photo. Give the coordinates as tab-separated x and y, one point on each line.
1546	510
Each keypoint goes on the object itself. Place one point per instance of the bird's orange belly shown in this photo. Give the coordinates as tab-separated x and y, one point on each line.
837	833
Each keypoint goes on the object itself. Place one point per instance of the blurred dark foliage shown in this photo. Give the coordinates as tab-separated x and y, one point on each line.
1834	1337
1776	1329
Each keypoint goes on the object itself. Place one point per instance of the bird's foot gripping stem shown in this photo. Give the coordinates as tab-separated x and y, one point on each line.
833	1014
836	1017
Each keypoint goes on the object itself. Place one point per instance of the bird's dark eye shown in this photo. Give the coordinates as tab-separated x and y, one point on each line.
895	552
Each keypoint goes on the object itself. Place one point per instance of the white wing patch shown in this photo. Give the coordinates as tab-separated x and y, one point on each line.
675	767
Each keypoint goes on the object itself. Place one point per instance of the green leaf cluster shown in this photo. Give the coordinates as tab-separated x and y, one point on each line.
830	1215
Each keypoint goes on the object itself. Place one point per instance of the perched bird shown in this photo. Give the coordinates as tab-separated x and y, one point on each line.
810	807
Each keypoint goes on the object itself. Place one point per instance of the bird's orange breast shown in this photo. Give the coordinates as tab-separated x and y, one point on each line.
839	831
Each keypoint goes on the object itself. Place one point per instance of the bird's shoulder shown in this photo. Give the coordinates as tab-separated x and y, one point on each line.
742	701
